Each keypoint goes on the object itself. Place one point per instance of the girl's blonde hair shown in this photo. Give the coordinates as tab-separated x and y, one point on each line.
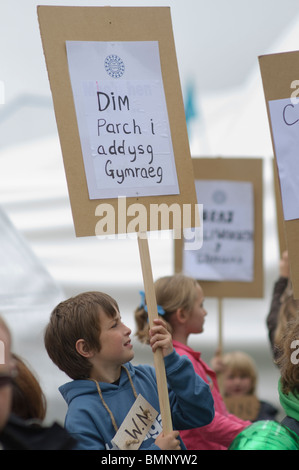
172	292
238	362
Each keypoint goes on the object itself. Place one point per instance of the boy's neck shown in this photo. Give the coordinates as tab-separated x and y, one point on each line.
106	375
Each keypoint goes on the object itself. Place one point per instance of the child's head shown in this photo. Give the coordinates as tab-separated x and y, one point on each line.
288	360
28	399
289	310
7	368
239	374
176	293
72	320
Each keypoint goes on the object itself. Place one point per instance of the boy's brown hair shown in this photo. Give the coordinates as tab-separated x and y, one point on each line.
74	319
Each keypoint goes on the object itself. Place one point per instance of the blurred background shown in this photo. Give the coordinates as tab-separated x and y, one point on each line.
41	260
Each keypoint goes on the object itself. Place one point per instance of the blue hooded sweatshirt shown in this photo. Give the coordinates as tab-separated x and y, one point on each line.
88	421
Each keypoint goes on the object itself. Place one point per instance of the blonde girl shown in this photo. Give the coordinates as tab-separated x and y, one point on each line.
180	302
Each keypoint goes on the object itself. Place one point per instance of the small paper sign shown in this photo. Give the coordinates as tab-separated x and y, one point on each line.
227	253
135	425
244	407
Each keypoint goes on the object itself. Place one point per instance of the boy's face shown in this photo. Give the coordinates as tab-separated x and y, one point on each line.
116	346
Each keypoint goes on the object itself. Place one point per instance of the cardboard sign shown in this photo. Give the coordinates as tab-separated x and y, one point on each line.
120	116
241	170
279	211
135	425
245	407
280	82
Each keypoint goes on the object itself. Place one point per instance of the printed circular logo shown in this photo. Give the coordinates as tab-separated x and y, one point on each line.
219	196
114	66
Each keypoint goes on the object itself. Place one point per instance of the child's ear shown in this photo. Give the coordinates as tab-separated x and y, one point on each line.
83	349
181	315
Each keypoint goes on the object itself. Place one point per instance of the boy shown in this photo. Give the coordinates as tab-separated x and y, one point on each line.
88	341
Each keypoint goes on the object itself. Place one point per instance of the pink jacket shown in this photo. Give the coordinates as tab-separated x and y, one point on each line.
223	429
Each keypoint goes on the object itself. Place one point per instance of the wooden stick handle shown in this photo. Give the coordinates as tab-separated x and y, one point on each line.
152	314
220	341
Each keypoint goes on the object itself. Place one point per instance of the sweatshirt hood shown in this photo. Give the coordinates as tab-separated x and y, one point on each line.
75	388
289	402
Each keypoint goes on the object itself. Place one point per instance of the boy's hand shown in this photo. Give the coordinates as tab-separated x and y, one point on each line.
160	337
168	442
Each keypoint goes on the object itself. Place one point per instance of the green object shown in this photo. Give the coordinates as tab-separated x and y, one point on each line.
266	435
289	402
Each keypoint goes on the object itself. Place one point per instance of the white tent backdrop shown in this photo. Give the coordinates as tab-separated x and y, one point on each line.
217	46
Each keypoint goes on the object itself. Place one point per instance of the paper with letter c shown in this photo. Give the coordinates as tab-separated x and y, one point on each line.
284	116
122	118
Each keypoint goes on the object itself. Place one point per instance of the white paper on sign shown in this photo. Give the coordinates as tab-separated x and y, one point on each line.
122	118
136	425
284	115
227	252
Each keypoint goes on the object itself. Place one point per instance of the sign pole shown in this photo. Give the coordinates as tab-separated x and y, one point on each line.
220	327
152	314
220	339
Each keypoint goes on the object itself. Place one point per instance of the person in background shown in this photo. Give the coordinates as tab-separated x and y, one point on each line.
283	306
238	376
23	431
28	399
7	372
270	435
180	302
